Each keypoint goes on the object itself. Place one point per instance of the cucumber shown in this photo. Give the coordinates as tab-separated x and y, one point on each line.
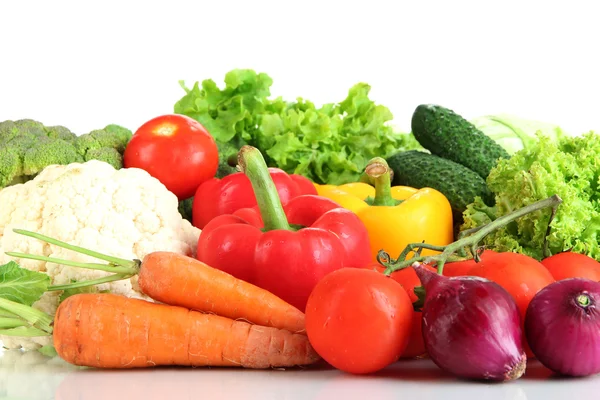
458	183
448	135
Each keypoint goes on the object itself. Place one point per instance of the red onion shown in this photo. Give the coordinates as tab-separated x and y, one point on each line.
562	325
471	327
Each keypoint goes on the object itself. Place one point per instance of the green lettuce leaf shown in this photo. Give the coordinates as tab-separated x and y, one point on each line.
21	285
328	144
569	167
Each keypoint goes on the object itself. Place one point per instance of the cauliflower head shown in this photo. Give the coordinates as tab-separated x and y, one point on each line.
124	213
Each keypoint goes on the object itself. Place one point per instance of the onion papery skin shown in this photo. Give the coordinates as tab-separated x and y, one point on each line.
472	327
563	334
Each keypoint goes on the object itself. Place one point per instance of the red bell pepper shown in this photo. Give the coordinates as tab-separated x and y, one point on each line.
224	196
285	249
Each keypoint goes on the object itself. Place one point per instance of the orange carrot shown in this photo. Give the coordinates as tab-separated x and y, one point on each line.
179	280
113	331
183	281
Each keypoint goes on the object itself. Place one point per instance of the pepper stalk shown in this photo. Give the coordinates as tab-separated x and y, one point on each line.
252	163
379	174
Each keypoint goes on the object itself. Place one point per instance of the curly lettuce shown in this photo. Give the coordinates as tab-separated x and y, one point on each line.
567	166
328	144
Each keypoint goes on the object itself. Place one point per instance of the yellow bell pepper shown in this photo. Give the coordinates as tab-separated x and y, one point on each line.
398	215
350	195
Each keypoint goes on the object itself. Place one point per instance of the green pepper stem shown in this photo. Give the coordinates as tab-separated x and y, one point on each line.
379	172
470	241
253	164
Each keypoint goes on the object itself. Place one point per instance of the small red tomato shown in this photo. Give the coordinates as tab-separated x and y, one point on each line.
461	268
520	275
358	320
176	150
408	278
572	265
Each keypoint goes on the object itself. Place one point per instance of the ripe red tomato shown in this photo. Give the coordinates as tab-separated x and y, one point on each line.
358	320
461	268
520	275
572	265
408	278
176	150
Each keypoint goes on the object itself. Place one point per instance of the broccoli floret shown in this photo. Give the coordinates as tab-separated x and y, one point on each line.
10	166
113	137
185	208
227	158
48	151
27	147
60	132
106	154
123	135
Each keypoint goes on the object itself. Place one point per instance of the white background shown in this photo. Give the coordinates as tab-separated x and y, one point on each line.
84	64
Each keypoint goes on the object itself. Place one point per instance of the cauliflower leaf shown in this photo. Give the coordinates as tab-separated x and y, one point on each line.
22	285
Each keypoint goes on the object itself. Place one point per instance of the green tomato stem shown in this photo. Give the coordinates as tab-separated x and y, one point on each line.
253	164
470	241
379	173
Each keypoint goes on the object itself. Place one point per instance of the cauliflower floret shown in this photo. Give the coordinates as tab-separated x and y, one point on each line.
124	213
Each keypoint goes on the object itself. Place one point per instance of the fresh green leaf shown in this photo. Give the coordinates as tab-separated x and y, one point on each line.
48	350
328	144
22	285
568	167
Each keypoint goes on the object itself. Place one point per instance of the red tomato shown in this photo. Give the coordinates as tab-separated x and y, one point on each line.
176	150
416	346
520	275
461	268
572	265
408	278
358	320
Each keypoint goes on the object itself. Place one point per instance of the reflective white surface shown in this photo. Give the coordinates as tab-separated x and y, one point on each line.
32	376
